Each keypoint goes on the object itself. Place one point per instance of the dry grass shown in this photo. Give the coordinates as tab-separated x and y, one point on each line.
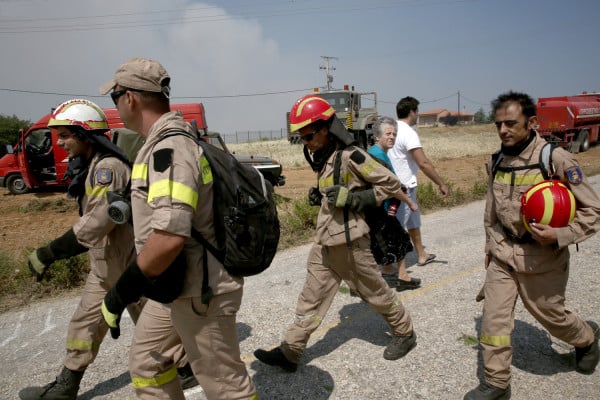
440	142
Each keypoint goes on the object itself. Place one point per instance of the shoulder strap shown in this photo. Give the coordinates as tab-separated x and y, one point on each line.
337	180
497	158
546	164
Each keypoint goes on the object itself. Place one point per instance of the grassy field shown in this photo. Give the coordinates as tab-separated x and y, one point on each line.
441	143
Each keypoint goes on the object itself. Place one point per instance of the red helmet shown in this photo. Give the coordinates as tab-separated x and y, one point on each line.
309	109
548	202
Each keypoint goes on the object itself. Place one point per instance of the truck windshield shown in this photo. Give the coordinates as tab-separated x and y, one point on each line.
339	101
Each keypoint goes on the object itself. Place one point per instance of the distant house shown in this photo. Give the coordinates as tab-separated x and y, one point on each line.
443	116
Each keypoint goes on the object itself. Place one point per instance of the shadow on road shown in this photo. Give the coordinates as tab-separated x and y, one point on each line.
107	387
532	351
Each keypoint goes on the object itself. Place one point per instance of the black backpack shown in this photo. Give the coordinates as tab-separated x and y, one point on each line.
245	216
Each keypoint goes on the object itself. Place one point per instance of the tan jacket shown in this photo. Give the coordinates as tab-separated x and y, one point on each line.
171	191
111	246
358	171
503	210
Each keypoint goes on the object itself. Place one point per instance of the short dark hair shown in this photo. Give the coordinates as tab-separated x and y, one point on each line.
524	100
405	106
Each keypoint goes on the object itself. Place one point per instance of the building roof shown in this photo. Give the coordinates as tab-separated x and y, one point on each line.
444	112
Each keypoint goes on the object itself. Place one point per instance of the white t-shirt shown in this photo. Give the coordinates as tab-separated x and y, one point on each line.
404	164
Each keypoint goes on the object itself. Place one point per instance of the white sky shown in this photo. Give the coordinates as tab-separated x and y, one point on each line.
216	51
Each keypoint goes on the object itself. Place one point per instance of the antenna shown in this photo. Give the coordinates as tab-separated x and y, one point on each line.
328	68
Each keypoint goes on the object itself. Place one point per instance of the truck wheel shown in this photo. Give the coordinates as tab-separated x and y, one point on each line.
584	141
16	185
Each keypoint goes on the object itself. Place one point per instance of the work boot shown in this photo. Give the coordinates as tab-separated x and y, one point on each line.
64	387
400	346
186	376
488	392
275	357
586	358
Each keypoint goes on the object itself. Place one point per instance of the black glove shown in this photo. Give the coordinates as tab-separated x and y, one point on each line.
39	260
314	196
65	246
128	289
339	196
112	308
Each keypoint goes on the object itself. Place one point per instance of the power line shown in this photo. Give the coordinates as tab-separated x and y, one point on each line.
194	19
173	97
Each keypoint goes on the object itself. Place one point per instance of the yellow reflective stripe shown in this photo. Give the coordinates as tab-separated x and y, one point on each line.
205	170
139	171
368	167
253	397
501	340
159	380
175	190
110	318
520	180
98	191
78	344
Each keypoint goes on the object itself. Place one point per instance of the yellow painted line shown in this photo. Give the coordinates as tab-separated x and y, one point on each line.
406	297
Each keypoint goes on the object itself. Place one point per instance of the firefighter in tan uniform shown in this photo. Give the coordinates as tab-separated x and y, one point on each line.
342	244
533	266
101	167
171	193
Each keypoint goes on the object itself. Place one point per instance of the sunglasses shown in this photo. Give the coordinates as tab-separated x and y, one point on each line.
118	93
309	136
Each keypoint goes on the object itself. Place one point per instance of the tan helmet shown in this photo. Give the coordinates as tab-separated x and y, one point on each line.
79	112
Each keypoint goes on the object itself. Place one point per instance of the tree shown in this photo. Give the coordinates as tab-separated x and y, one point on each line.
9	130
480	117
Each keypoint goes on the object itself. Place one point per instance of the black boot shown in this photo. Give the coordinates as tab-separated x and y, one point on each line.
186	376
586	358
400	346
64	387
488	392
276	357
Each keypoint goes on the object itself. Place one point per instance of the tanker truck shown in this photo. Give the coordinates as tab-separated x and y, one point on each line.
572	122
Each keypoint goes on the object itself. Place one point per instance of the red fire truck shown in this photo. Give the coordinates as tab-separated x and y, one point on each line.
570	121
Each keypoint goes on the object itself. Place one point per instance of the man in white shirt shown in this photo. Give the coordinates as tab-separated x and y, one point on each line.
407	158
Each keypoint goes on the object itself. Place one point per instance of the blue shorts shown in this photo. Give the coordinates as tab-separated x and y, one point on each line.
408	218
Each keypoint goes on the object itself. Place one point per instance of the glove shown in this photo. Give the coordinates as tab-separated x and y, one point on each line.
128	289
112	308
39	260
65	246
339	196
314	196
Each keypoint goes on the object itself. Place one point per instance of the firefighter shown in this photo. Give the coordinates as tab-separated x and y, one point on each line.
99	167
171	192
342	244
533	266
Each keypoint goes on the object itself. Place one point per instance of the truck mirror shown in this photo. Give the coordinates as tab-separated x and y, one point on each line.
9	149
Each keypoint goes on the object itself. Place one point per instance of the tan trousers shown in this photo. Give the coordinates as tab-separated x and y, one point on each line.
87	327
209	336
327	267
543	295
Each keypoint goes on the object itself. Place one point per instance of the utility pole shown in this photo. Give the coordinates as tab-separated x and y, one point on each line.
328	68
458	108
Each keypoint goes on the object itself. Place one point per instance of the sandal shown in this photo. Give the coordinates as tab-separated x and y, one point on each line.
430	258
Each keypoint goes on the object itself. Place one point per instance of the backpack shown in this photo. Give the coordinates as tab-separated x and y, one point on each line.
544	164
389	240
245	215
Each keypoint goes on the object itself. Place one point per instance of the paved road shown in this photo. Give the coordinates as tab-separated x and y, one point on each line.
344	358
